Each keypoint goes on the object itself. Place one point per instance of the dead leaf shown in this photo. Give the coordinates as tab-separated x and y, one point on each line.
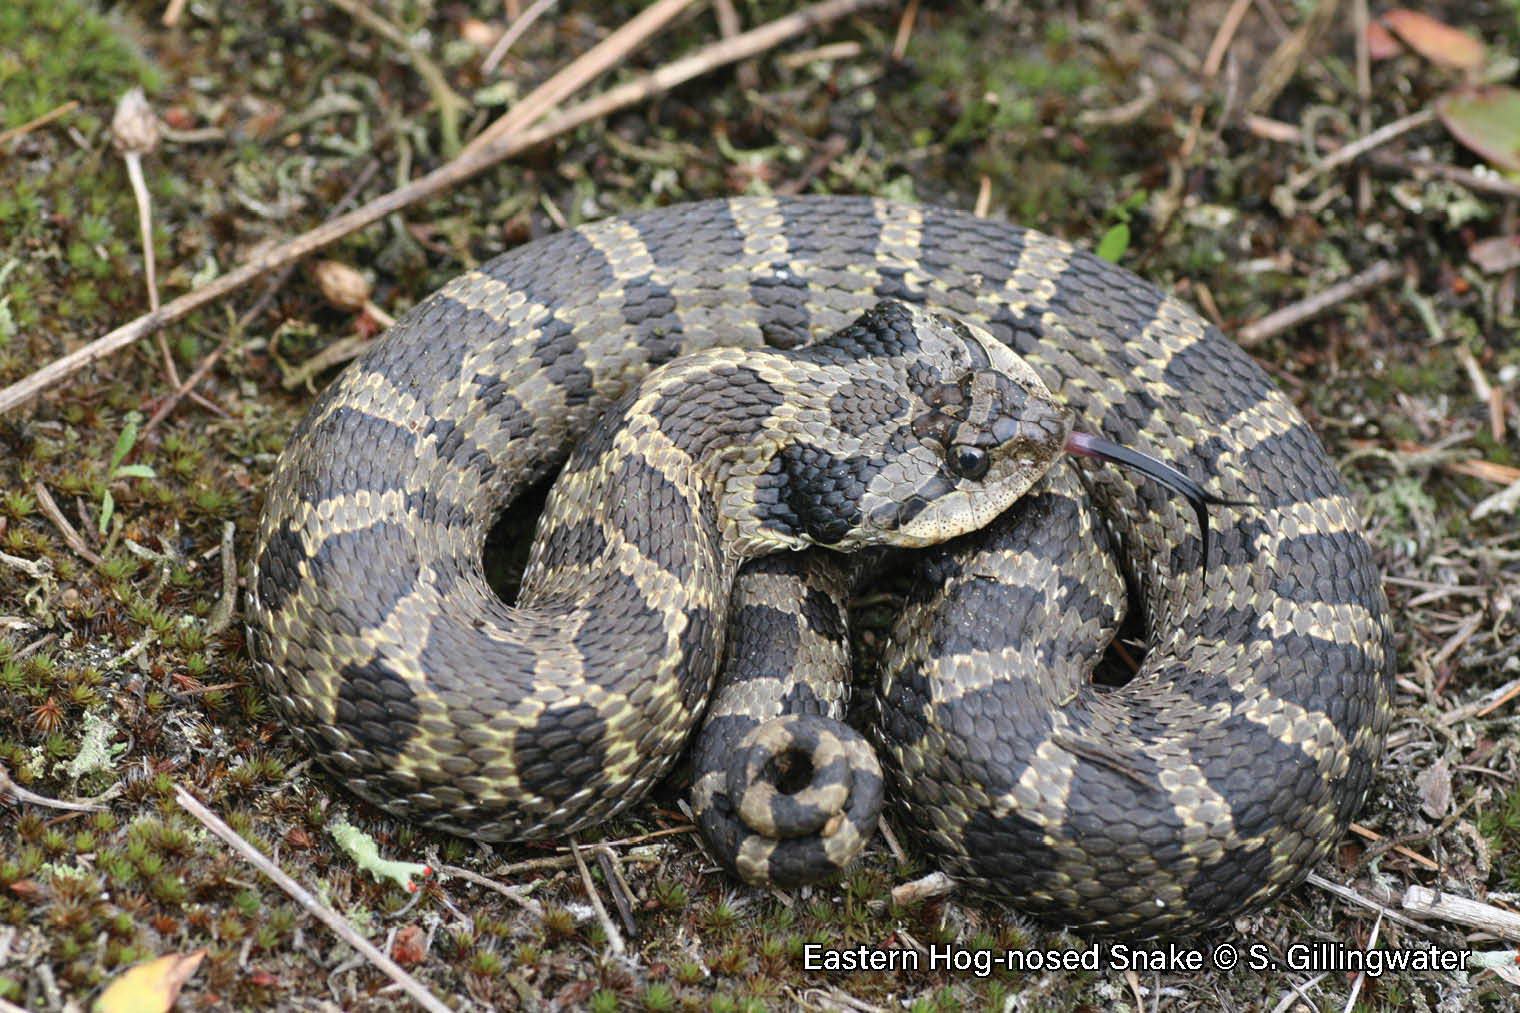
1434	785
1380	44
152	987
1437	41
1487	120
1495	254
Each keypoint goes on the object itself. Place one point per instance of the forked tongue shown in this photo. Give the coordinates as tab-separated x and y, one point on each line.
1155	469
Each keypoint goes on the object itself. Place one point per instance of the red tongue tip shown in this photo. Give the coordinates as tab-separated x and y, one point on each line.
1080	443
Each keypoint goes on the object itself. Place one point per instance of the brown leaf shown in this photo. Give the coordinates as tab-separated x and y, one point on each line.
1434	785
152	987
1496	254
1436	41
1380	44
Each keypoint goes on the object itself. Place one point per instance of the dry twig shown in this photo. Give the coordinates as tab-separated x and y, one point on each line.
308	900
1291	316
43	120
729	25
20	794
221	616
904	31
512	34
1359	147
1413	856
1348	894
1424	901
511	893
71	535
1364	97
590	65
614	937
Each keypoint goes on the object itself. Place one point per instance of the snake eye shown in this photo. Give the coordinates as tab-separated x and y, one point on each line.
968	461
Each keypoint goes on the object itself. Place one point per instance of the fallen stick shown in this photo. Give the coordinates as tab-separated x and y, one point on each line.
304	897
1428	903
1291	316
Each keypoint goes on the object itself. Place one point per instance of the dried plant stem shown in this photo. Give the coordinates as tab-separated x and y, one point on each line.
512	34
1288	317
307	900
43	120
144	224
614	937
590	65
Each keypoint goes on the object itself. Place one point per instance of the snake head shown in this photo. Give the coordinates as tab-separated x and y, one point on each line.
904	428
982	430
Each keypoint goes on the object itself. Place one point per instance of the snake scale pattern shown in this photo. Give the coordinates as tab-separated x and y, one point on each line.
1227	765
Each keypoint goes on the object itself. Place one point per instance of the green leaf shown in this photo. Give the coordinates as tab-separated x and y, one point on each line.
125	440
133	471
1114	242
1487	120
1134	202
107	507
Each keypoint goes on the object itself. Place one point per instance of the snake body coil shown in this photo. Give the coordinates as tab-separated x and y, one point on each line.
1228	764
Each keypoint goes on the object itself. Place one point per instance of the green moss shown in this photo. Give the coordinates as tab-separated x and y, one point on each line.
732	960
18	504
657	997
117	567
118	869
51	52
485	963
670	895
1500	824
721	916
558	923
168	890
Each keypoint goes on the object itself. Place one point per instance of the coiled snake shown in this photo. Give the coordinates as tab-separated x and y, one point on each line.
1227	765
